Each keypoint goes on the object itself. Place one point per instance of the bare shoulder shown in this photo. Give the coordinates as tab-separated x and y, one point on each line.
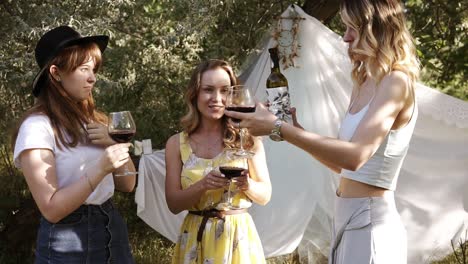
396	79
394	85
397	76
173	142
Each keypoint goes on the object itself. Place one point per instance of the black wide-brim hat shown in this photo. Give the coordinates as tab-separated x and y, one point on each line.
54	41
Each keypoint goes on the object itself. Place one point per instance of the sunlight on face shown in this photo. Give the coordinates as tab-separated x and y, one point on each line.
212	94
351	36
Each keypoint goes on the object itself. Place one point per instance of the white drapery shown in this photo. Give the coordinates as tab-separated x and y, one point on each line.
432	192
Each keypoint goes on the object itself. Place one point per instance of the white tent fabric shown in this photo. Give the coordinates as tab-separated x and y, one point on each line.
432	193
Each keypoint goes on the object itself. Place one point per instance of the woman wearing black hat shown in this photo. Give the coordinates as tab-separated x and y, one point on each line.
68	158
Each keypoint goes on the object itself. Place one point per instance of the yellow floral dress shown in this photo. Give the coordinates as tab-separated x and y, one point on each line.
233	239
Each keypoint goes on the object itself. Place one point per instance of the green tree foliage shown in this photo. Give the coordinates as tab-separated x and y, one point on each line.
440	28
154	46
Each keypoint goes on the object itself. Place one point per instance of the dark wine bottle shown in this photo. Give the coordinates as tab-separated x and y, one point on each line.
277	90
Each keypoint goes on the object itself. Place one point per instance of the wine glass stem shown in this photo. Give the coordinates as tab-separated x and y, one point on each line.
242	132
126	171
229	194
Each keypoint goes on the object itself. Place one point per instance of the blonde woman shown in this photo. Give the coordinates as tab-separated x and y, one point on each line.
373	138
209	233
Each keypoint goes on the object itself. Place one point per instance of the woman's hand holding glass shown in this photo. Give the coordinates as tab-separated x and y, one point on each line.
114	157
259	123
234	168
262	121
214	180
243	181
240	99
122	128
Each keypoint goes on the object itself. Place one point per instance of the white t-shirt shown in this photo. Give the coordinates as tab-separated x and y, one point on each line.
70	164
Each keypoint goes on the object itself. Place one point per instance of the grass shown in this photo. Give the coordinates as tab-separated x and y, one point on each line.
459	255
149	247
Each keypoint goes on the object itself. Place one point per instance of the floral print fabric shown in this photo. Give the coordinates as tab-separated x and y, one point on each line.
233	239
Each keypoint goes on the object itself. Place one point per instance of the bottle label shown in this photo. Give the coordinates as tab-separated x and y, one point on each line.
279	102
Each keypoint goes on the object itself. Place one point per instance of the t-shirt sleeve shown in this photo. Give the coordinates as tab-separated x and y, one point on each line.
35	133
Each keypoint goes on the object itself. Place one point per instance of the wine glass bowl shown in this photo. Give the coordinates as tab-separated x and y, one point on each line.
122	136
121	126
122	129
241	109
231	167
240	99
231	171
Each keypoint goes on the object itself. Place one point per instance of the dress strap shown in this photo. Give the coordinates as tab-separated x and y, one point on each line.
185	149
413	94
352	101
364	107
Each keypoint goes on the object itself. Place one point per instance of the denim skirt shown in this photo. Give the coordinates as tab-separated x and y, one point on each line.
90	234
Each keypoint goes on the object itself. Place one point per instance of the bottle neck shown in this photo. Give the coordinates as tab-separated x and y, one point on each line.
275	67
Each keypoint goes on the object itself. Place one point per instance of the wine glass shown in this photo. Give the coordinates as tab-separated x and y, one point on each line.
231	166
122	128
240	99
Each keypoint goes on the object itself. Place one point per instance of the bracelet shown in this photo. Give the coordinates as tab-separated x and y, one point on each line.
89	182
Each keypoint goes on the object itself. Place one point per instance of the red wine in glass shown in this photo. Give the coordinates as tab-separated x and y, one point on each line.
121	128
122	136
241	109
231	172
240	99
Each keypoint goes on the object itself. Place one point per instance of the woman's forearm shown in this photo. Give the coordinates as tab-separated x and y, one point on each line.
333	153
259	192
180	200
65	200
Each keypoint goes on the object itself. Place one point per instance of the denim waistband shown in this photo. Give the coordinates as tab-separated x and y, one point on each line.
89	234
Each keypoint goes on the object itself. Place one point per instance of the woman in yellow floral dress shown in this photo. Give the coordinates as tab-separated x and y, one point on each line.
210	233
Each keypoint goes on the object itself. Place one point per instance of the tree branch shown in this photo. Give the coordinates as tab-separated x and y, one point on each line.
323	10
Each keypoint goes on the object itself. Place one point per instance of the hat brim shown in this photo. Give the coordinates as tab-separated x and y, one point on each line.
100	40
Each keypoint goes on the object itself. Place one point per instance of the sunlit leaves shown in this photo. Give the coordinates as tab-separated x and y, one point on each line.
440	29
156	43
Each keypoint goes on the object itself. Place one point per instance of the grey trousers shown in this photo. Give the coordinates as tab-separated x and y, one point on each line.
367	230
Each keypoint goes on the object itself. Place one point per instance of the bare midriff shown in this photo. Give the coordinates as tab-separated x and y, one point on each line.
353	189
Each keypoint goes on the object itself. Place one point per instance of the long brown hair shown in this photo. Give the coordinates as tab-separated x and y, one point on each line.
383	38
191	120
67	117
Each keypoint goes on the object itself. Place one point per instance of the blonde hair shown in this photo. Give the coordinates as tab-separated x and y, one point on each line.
383	39
191	120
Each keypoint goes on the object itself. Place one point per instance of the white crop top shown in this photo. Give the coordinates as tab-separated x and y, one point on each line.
383	168
70	164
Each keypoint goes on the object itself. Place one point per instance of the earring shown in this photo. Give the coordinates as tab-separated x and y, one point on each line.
58	79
